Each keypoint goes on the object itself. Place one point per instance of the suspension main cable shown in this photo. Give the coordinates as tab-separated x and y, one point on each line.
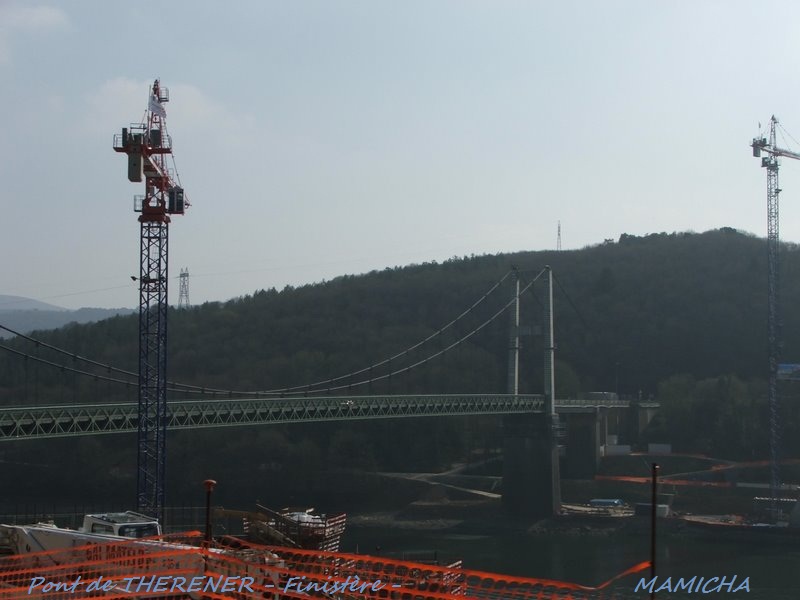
68	353
572	304
107	367
436	354
307	387
64	367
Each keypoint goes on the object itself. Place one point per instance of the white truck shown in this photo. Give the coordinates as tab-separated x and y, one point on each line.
110	544
97	528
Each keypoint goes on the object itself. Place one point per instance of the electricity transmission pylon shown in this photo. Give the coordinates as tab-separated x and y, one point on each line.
183	290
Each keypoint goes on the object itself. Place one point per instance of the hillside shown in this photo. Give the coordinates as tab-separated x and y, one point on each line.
629	314
680	317
20	303
25	320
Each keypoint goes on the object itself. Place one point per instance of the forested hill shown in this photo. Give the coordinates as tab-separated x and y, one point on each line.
630	313
680	316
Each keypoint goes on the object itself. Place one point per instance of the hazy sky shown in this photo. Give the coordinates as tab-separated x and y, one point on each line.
321	138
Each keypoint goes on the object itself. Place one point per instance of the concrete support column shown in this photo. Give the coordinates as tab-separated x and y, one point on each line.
584	434
531	484
603	416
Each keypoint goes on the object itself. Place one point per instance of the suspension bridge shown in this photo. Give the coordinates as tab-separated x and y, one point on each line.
531	479
534	425
531	473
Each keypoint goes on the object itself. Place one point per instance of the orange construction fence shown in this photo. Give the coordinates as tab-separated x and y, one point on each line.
181	566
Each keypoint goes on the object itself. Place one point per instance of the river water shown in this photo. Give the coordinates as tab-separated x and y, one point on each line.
773	570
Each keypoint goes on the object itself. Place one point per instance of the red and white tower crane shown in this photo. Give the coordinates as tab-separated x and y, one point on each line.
148	145
770	163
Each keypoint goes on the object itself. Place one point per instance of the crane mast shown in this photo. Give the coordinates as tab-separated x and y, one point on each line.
147	146
770	163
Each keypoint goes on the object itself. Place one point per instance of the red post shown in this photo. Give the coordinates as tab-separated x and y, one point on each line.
653	501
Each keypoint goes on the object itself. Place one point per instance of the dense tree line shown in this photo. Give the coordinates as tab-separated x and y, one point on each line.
678	317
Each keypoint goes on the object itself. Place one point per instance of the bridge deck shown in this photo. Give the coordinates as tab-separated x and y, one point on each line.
19	423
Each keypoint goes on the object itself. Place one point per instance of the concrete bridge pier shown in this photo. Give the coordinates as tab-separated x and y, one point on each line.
644	413
586	435
531	483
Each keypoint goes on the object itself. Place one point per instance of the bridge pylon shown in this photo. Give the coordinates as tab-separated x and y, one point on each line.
531	477
513	341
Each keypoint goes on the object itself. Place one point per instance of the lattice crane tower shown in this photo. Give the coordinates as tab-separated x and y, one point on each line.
770	163
148	145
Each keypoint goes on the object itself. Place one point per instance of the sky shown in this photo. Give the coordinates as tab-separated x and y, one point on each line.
322	138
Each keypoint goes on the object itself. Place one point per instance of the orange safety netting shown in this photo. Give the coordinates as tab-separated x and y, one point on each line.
180	566
665	481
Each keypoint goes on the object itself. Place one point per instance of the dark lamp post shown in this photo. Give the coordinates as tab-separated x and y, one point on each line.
209	485
653	500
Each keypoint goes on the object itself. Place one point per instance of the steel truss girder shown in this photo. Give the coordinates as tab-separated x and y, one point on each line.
70	420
